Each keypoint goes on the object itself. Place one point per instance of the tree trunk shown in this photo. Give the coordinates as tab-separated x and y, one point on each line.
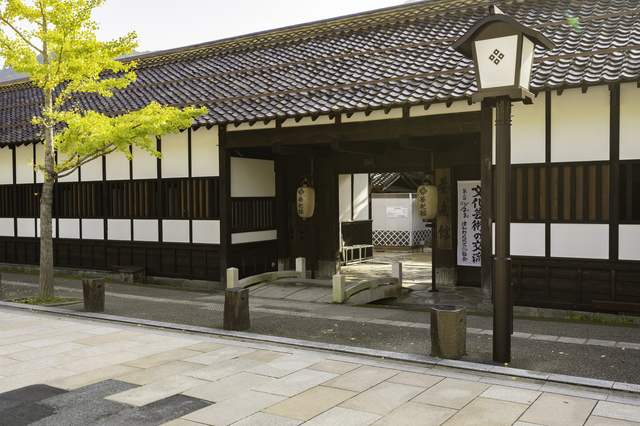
46	204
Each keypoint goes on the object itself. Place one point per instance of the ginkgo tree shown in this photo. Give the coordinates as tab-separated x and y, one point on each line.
73	65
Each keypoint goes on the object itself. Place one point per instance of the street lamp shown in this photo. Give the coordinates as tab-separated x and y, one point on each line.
502	52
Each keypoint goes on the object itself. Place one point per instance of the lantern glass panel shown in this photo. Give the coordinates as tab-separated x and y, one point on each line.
527	63
496	61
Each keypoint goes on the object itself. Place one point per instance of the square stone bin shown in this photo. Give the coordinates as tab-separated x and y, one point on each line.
448	332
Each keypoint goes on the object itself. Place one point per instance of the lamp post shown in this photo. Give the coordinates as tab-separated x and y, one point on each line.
502	52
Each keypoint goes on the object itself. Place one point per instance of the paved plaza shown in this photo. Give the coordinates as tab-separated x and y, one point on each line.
69	370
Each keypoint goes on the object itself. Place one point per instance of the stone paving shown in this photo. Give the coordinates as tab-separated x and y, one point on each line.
89	372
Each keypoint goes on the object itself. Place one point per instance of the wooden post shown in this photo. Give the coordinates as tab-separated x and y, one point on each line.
236	309
232	277
339	288
93	294
301	267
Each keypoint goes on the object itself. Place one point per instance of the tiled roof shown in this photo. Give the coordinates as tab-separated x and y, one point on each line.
378	60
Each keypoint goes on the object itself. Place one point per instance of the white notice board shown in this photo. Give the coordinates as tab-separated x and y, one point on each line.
469	222
397	212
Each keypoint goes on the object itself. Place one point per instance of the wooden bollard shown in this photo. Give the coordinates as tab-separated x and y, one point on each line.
236	309
93	293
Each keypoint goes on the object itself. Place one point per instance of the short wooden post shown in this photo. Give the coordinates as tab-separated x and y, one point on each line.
232	277
93	293
301	267
339	288
236	309
396	272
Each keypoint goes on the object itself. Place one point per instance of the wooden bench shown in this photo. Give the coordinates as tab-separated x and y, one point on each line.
615	306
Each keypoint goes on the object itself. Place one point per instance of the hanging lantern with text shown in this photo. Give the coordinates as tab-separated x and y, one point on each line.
427	196
306	200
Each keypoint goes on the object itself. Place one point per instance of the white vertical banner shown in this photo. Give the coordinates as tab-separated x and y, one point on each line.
469	222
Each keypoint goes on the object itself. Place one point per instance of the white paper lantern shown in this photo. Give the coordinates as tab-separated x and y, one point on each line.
306	200
427	196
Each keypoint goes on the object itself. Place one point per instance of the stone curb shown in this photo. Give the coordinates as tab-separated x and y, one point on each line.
422	359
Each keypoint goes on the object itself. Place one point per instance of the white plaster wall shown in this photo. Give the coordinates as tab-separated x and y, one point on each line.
175	155
26	227
175	231
580	125
308	121
117	166
580	240
73	177
379	213
629	122
145	230
375	115
441	108
39	158
6	166
629	242
344	197
206	231
24	172
205	152
145	165
256	126
6	227
251	237
252	178
528	132
69	228
92	171
527	239
119	229
93	229
361	196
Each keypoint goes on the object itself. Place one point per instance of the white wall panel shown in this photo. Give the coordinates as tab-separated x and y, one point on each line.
629	242
73	177
528	132
26	227
580	240
375	115
69	228
252	178
441	108
256	126
6	227
24	172
204	152
53	227
6	166
206	231
344	197
39	158
379	213
119	229
93	229
92	171
145	230
252	237
361	196
175	155
580	125
117	166
308	121
629	123
145	165
175	231
527	239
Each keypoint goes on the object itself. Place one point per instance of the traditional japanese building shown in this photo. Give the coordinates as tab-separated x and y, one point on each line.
333	101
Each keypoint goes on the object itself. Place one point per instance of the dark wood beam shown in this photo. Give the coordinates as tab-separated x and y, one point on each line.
295	151
358	147
379	130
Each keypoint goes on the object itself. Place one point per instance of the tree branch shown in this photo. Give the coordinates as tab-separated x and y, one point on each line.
19	34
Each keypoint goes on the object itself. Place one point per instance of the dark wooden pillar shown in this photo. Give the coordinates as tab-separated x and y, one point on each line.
225	203
614	173
327	225
486	176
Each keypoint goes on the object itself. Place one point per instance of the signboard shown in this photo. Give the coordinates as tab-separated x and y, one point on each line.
469	222
397	212
443	217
